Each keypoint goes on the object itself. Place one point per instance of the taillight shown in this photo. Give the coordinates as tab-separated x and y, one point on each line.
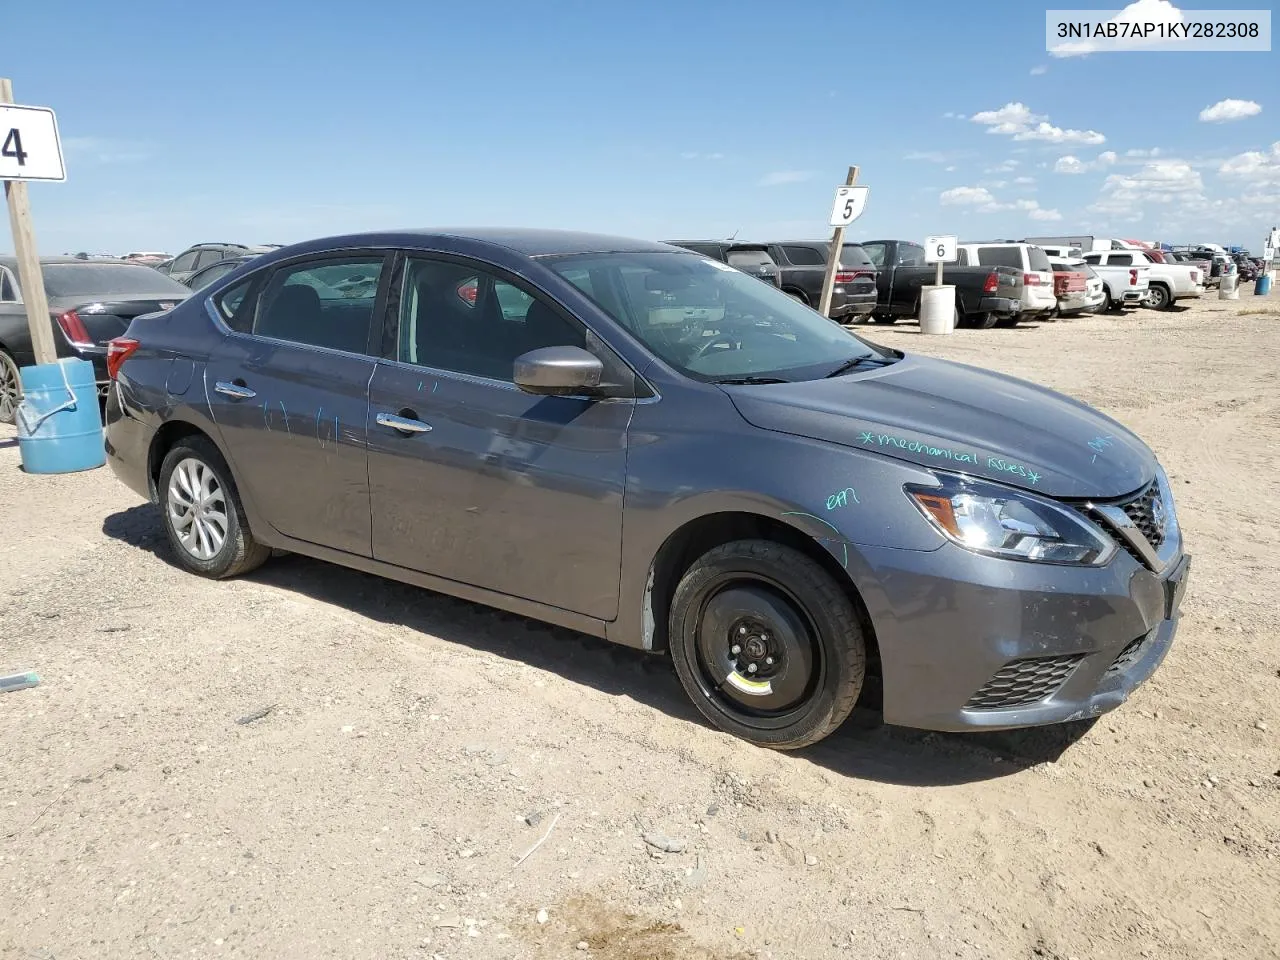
73	329
845	276
992	284
1031	279
118	351
1195	276
1133	278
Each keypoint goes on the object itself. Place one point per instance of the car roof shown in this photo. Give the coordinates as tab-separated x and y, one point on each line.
526	241
9	260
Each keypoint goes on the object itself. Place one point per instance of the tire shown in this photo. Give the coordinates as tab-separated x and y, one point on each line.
1159	298
799	630
10	388
982	321
199	467
1011	321
1108	305
884	319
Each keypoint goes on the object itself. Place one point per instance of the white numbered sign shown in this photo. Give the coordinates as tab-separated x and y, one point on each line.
940	250
850	202
29	146
1269	253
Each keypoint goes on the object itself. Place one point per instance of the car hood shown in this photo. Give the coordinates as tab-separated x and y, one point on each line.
962	419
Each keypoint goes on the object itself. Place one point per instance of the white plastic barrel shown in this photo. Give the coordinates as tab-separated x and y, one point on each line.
1230	289
938	309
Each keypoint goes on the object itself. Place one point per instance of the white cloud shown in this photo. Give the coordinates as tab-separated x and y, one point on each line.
949	169
995	184
1025	181
1039	71
1158	182
1254	166
932	156
953	115
1071	164
1227	110
1142	11
693	155
1017	120
1007	166
780	177
965	197
1153	152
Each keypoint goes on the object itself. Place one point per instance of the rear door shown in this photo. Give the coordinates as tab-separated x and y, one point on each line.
289	391
490	486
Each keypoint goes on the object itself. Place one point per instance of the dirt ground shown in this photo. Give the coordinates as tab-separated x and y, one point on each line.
378	810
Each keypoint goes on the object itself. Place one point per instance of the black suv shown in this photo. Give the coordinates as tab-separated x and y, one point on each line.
803	264
750	258
201	255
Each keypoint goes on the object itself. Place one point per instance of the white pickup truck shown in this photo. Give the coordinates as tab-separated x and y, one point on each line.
1168	282
1124	284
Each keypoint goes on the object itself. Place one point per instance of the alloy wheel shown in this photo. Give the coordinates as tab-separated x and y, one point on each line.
10	388
197	507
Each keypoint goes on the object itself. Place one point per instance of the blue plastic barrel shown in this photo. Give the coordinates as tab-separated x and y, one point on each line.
1262	286
59	422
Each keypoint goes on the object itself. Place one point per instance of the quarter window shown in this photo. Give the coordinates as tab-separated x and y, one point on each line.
8	289
804	256
456	318
327	303
185	262
236	308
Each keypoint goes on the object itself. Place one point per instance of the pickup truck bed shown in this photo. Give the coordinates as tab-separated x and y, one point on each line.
985	296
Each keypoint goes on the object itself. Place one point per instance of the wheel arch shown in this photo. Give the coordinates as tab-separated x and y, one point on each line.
165	439
792	290
698	535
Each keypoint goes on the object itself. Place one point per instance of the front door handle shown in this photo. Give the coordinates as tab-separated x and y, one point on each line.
403	424
236	391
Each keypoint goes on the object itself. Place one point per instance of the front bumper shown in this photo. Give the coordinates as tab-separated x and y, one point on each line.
970	642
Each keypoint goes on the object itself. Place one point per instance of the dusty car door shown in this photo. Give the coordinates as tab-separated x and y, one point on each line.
475	481
288	389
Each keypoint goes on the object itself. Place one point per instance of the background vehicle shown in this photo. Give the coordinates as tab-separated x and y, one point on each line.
90	302
204	254
803	268
146	259
1123	286
753	259
207	275
985	296
1167	282
1038	299
1078	289
479	446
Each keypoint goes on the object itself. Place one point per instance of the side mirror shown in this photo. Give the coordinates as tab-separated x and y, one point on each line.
558	371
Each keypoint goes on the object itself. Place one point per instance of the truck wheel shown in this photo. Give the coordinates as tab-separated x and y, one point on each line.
982	321
767	644
1160	298
1008	321
1108	304
884	318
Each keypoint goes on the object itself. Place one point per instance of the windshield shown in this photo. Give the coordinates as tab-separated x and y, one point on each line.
754	260
107	280
710	321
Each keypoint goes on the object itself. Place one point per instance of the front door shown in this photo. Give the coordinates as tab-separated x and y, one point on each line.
289	391
478	482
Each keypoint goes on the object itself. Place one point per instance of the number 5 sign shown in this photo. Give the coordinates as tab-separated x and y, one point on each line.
850	202
940	250
29	146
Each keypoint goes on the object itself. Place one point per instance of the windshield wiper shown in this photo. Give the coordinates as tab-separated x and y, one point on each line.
750	380
867	361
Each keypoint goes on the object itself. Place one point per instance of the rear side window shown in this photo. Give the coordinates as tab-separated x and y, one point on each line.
1121	260
1038	259
804	256
327	303
1093	258
1000	257
750	258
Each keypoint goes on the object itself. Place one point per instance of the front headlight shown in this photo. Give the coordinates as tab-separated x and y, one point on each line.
997	520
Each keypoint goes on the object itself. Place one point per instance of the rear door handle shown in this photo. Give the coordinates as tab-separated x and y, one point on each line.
402	424
236	391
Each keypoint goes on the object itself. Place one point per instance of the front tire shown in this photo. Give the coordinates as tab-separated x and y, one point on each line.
767	644
203	515
10	388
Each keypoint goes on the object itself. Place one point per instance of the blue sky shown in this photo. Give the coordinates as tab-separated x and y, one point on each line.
275	122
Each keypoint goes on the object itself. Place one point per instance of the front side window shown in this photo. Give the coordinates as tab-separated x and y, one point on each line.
326	303
455	317
710	321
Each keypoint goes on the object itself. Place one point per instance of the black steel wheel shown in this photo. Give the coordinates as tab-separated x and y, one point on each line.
767	644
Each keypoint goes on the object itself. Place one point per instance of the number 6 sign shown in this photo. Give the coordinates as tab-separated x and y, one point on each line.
940	250
850	202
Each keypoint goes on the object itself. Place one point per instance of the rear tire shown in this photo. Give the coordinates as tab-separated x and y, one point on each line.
884	319
10	388
203	515
1159	298
1008	321
767	644
982	321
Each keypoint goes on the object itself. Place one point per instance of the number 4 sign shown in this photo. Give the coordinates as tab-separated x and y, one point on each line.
29	145
850	202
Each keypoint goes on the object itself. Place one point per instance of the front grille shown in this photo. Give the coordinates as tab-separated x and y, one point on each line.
1130	653
1142	511
1024	682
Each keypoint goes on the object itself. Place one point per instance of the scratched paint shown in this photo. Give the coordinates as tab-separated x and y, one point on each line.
844	547
842	498
285	413
1099	445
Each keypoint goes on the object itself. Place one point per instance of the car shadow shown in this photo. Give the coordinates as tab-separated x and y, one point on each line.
863	748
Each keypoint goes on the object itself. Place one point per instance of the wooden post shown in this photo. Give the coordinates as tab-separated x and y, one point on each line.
24	246
833	257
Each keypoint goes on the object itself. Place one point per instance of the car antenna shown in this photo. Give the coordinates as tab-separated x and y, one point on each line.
734	235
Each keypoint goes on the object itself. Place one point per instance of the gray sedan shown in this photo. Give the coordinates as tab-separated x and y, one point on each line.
646	445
